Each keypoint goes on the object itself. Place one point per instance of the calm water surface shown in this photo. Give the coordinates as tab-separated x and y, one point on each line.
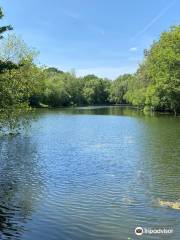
90	173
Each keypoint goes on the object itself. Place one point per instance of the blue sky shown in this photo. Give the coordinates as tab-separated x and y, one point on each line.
104	37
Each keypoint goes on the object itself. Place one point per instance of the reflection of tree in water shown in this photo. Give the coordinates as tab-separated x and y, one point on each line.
160	151
105	110
20	184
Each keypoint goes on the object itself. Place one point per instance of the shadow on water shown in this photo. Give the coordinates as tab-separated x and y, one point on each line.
92	110
20	184
160	156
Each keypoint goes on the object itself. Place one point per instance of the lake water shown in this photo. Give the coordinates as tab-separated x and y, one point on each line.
90	173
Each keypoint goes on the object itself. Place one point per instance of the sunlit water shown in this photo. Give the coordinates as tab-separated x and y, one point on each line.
90	173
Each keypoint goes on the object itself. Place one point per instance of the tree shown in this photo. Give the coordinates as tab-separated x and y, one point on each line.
119	88
55	93
53	70
5	64
3	29
163	70
156	84
95	90
17	84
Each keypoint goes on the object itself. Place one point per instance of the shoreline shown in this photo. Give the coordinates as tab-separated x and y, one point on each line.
109	105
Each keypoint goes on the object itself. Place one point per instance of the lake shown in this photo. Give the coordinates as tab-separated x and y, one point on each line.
90	173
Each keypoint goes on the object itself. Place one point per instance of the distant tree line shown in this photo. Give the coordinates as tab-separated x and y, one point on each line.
154	87
60	89
23	84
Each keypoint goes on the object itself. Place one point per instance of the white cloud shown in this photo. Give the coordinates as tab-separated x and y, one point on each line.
133	49
107	72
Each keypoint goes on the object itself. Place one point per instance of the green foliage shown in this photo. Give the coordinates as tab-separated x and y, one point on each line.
163	67
4	29
13	49
65	89
156	84
55	94
118	89
95	90
17	84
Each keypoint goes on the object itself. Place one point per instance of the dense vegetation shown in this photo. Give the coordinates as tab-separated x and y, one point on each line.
154	87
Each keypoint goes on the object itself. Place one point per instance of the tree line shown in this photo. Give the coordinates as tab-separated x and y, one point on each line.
23	84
